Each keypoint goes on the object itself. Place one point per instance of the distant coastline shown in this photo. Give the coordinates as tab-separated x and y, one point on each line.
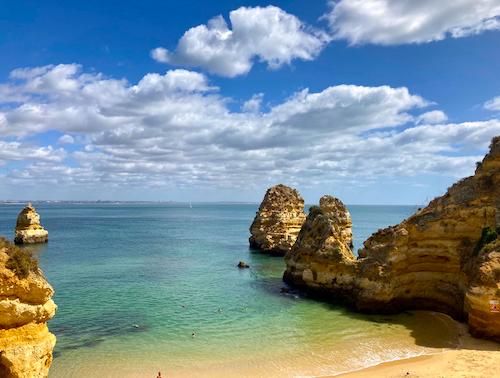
23	202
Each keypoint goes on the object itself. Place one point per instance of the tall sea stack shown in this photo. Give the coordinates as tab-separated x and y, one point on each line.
278	221
28	227
446	257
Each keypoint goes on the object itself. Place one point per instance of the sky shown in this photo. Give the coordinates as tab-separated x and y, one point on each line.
372	101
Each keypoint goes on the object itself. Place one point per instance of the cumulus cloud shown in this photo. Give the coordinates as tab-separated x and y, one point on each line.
66	139
253	105
17	151
176	130
392	22
434	116
267	34
493	104
160	54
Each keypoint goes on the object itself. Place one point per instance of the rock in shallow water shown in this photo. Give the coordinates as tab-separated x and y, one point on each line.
278	221
433	260
242	265
28	228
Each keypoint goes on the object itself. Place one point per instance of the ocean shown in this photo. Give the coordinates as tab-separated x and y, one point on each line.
151	287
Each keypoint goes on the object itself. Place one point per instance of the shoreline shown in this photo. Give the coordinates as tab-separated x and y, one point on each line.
472	358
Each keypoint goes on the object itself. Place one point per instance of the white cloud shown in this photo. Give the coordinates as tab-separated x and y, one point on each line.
253	105
348	107
17	151
434	116
66	139
160	54
493	104
176	130
391	22
268	34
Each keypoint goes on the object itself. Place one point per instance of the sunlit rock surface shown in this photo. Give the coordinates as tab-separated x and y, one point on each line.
25	307
28	227
278	221
446	257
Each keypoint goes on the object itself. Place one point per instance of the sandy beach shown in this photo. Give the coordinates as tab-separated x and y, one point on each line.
472	358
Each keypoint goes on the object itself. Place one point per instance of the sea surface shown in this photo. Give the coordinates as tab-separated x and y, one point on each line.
143	288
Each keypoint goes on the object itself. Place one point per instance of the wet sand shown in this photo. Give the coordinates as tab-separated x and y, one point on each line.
472	358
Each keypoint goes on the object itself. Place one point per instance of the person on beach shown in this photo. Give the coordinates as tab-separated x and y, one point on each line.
159	375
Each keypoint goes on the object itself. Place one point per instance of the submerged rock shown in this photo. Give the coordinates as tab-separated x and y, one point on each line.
28	228
437	259
278	221
25	307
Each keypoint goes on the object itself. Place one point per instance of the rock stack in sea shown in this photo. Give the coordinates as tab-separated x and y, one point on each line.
25	307
278	221
28	228
446	257
325	239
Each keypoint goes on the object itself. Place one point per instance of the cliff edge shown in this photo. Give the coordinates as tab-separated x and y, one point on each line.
25	307
446	257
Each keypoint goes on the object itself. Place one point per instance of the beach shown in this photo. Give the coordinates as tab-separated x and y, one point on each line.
472	358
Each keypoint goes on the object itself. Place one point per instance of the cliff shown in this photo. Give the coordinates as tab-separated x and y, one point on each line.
28	228
25	307
446	257
278	221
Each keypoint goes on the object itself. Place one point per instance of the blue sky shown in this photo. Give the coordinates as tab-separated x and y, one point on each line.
375	101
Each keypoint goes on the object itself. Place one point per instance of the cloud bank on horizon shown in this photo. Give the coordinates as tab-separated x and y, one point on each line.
178	130
177	126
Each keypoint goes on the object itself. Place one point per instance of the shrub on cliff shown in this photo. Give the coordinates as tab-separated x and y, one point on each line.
488	236
21	261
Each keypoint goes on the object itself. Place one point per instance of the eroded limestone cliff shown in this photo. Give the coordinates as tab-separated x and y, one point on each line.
25	307
28	227
278	221
437	259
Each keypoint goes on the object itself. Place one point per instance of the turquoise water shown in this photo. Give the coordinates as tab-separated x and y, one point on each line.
134	281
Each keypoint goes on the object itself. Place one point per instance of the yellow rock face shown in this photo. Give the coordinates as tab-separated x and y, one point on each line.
278	221
325	239
433	260
25	306
28	228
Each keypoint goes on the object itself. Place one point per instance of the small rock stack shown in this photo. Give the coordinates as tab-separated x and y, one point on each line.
28	228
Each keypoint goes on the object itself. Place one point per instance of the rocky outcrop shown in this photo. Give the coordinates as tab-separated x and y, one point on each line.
321	257
437	259
28	228
25	307
482	299
278	221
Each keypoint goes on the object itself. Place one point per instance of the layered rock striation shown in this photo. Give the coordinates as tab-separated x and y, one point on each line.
278	221
321	258
25	307
28	227
445	257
